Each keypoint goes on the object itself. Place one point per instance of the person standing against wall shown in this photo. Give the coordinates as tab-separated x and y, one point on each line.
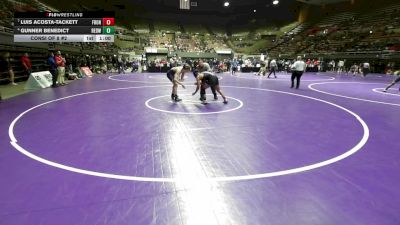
52	68
5	66
60	61
26	64
365	69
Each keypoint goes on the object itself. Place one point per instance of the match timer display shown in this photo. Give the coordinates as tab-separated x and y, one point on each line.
64	26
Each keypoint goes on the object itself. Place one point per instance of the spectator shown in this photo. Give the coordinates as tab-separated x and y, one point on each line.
68	64
316	65
340	66
5	66
52	68
354	69
135	66
103	64
26	64
121	65
263	68
60	61
332	65
234	65
365	68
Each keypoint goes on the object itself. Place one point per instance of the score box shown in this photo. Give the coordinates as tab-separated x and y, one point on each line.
104	38
64	26
108	30
108	21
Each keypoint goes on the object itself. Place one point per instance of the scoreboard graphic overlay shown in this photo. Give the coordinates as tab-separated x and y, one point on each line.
64	26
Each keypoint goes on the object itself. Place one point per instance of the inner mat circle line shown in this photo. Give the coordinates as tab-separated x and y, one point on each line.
147	103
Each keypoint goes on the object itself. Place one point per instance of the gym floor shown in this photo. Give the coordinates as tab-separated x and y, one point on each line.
114	149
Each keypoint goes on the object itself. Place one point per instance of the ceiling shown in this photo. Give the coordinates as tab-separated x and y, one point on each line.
322	2
206	11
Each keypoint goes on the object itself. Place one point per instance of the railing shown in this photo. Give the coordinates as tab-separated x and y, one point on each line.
287	37
6	29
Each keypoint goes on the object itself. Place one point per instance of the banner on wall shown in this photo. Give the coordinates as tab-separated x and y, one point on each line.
39	80
223	51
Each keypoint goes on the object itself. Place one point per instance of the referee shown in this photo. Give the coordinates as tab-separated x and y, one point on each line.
298	69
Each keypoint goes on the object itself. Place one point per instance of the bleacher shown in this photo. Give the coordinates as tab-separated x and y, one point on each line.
166	27
141	28
195	29
219	31
161	39
288	36
346	32
336	19
6	14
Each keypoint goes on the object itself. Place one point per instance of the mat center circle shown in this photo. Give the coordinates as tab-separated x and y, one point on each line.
192	105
